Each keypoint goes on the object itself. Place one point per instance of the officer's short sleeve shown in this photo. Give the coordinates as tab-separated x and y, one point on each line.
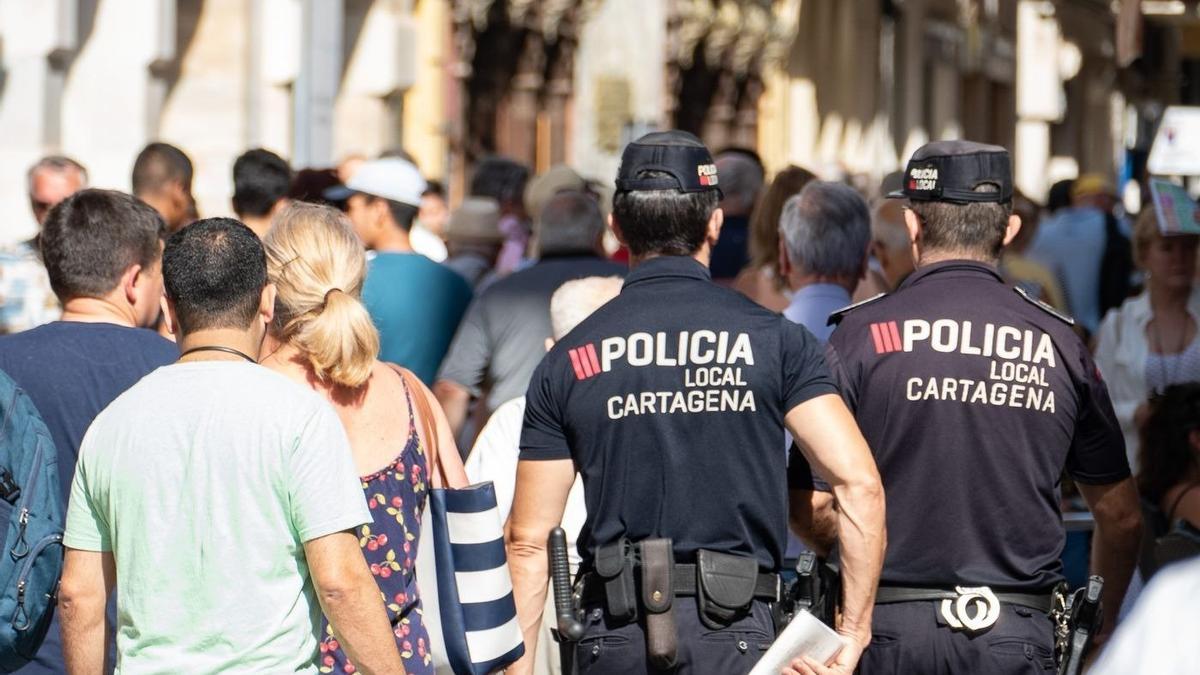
804	373
1097	455
542	434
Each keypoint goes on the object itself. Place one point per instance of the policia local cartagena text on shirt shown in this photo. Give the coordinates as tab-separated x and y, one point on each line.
672	401
974	398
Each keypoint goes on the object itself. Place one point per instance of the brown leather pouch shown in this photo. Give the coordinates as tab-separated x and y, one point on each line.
658	593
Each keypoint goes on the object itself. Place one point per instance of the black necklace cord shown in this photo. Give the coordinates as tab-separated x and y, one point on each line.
219	348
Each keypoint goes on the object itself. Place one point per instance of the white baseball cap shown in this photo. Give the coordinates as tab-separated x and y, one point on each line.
390	178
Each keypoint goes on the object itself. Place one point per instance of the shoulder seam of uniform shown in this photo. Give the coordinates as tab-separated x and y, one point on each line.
1044	307
836	317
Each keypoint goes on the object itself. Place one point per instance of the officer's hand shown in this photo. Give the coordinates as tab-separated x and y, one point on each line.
846	662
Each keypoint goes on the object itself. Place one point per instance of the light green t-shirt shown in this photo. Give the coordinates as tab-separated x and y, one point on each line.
204	480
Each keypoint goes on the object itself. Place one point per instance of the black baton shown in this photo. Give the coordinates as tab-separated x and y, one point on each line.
569	627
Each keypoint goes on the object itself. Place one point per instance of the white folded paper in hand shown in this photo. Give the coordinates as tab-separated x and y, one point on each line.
804	636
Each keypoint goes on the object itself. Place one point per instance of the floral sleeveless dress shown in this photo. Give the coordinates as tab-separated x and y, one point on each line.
396	497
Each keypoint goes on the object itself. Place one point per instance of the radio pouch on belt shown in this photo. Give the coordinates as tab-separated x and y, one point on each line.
724	587
658	591
614	564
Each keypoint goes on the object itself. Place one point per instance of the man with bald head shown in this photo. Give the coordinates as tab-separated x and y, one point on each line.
25	294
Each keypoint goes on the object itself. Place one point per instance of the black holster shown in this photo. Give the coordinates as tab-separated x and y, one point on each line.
724	587
658	593
614	563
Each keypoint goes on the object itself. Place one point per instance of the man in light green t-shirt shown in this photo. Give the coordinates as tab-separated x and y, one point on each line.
226	517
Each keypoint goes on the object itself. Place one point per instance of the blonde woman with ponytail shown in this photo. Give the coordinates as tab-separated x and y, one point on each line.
323	338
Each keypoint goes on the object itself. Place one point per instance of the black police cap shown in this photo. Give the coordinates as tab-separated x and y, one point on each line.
949	171
681	155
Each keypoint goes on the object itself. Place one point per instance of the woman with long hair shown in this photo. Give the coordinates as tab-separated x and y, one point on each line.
760	279
323	338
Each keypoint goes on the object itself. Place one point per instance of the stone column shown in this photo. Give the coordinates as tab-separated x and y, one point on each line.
518	138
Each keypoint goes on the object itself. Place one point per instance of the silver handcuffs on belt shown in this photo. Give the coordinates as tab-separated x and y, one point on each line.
958	612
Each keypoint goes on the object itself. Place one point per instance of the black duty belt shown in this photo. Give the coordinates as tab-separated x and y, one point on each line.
766	586
1041	602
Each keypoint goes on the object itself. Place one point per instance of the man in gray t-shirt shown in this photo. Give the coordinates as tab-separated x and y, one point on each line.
502	338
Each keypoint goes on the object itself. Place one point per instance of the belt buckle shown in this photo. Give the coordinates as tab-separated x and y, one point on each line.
957	612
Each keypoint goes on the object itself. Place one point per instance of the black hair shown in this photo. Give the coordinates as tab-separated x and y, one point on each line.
403	214
434	188
214	271
501	179
1059	196
90	239
974	227
260	179
666	222
1167	456
158	164
309	185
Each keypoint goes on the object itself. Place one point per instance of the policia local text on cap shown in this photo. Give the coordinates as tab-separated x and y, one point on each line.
671	401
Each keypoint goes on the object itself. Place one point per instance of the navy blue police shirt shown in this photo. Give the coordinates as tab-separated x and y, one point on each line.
974	399
670	399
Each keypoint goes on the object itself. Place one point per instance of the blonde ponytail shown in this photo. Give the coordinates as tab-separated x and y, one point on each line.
318	266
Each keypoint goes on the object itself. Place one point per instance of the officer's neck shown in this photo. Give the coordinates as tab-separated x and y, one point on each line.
932	257
703	255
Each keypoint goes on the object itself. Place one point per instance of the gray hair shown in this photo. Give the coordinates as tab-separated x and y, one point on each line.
570	222
826	229
56	164
741	179
575	301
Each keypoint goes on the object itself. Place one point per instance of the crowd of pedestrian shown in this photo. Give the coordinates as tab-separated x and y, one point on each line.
249	414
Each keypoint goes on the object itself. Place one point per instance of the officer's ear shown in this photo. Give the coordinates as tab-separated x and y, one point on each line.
616	230
1014	226
715	221
912	222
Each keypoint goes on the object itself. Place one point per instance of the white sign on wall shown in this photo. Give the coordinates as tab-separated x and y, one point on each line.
1176	148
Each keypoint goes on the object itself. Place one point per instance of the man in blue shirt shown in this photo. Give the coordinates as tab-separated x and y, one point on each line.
1088	249
824	234
416	303
103	253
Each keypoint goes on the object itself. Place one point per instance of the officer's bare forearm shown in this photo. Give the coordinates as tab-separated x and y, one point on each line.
538	504
528	564
1116	541
862	540
828	436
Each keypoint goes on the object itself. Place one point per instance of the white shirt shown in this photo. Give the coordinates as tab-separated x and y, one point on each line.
494	457
1159	637
427	244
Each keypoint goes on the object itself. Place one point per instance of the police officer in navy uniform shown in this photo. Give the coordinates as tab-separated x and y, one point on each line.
974	398
672	402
